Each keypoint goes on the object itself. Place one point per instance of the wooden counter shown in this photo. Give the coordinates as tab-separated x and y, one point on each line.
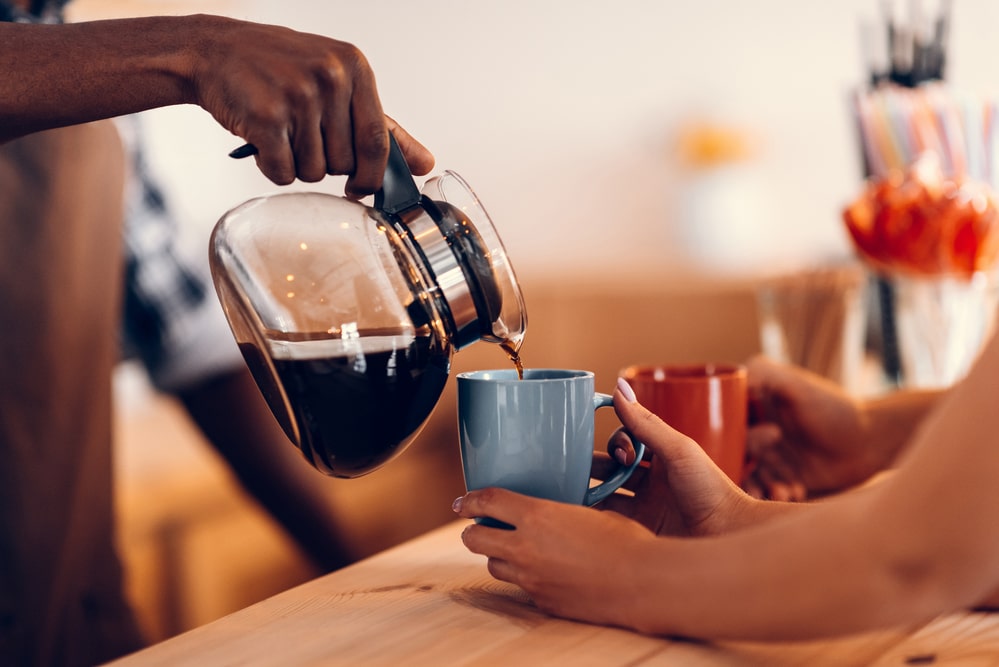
431	602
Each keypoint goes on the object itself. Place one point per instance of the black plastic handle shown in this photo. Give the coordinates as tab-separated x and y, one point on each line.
398	191
246	150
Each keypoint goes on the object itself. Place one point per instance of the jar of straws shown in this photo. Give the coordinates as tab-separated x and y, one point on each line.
934	240
926	222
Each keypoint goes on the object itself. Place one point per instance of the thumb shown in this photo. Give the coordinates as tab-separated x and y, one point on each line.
419	159
665	441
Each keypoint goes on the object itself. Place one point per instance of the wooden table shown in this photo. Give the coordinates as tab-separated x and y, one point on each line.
431	602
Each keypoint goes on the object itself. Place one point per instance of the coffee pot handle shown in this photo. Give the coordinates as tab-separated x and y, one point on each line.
398	191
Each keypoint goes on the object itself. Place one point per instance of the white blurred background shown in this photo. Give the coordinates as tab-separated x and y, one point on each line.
566	116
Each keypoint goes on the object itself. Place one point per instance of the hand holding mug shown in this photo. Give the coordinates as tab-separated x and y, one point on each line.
680	491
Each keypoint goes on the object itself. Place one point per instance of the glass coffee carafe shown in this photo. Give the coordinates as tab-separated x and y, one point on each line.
348	315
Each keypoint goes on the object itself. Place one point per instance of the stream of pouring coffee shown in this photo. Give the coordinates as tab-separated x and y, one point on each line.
511	352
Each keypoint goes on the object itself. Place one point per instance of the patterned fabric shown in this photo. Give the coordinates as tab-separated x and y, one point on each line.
42	12
171	320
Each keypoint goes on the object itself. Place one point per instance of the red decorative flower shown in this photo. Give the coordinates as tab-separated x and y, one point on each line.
922	222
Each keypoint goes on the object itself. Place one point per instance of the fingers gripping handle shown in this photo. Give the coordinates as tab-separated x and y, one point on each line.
398	192
601	491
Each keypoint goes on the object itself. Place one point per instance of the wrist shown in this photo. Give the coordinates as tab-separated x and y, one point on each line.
192	60
742	511
888	425
149	60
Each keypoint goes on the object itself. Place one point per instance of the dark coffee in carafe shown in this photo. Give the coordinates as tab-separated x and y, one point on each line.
354	404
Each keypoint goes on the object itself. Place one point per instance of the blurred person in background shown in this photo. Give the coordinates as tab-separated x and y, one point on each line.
310	106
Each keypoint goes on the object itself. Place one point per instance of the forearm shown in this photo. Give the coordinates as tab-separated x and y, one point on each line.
753	512
308	103
892	421
57	75
824	570
783	580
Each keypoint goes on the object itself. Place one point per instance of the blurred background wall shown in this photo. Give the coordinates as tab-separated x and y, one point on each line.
574	120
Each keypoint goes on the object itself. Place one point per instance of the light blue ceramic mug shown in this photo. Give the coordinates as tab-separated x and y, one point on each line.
534	436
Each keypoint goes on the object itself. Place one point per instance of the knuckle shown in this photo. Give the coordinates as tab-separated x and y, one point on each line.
371	140
311	174
486	497
339	164
494	568
267	119
301	92
484	501
648	420
530	582
341	65
279	176
351	59
310	164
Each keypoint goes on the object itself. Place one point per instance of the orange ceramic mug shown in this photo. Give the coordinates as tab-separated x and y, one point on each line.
706	402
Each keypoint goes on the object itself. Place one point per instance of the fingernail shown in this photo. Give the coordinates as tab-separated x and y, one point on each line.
456	505
626	390
621	456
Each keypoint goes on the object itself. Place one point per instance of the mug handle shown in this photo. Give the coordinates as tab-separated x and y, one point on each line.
600	492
